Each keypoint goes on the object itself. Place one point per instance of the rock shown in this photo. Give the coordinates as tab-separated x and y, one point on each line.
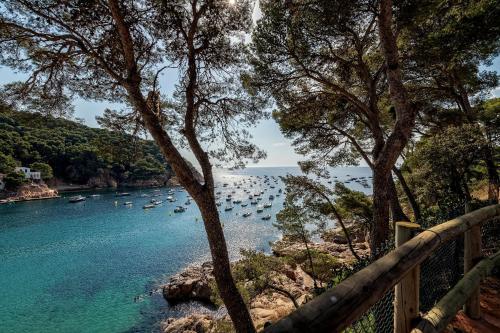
32	191
340	250
196	323
272	305
269	308
157	181
191	284
103	180
174	181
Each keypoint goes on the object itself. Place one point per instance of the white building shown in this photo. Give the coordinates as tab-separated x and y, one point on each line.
28	174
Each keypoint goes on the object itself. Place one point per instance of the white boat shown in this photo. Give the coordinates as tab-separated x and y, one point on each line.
267	205
179	209
127	203
247	214
148	206
77	198
228	208
267	217
260	209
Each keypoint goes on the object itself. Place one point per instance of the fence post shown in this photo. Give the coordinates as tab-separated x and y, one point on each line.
472	255
406	293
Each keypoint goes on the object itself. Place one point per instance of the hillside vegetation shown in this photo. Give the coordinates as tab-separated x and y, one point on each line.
76	153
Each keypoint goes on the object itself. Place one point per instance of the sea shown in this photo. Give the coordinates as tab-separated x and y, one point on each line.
97	265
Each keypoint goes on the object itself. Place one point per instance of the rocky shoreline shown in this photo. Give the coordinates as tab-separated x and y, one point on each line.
31	192
197	282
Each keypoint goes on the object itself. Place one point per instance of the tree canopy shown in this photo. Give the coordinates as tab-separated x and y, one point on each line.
73	152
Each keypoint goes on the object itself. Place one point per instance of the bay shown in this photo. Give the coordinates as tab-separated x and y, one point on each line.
96	266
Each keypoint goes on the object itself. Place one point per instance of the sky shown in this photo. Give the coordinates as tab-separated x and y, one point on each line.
266	134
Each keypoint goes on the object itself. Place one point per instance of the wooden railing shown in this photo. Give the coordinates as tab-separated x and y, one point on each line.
339	307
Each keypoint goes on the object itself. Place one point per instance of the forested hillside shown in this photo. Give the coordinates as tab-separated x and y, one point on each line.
76	153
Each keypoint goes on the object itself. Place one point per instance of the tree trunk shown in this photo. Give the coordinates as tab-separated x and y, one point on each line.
308	251
222	269
415	207
204	198
493	181
396	211
346	232
397	140
379	232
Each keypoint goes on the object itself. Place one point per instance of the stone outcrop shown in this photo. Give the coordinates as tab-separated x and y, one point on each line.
104	179
35	191
338	236
335	244
152	182
266	307
194	283
270	305
195	323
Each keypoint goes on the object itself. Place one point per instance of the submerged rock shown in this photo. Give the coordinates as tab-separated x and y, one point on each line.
194	283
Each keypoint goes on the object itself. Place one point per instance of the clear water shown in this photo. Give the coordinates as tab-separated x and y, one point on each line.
96	266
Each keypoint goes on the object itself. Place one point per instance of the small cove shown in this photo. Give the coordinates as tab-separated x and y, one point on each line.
95	266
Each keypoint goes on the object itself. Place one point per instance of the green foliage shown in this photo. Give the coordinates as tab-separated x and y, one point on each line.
13	180
7	163
147	167
74	152
44	168
444	165
489	112
292	222
315	59
259	269
324	264
354	206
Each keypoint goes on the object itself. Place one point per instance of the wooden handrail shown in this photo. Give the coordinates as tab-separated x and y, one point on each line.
337	308
445	310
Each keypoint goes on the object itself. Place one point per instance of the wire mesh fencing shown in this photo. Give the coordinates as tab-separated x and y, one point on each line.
438	274
380	317
490	237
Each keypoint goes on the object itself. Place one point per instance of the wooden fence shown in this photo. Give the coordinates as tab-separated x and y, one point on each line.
339	307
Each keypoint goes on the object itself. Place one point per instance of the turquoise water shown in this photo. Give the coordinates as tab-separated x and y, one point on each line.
96	266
